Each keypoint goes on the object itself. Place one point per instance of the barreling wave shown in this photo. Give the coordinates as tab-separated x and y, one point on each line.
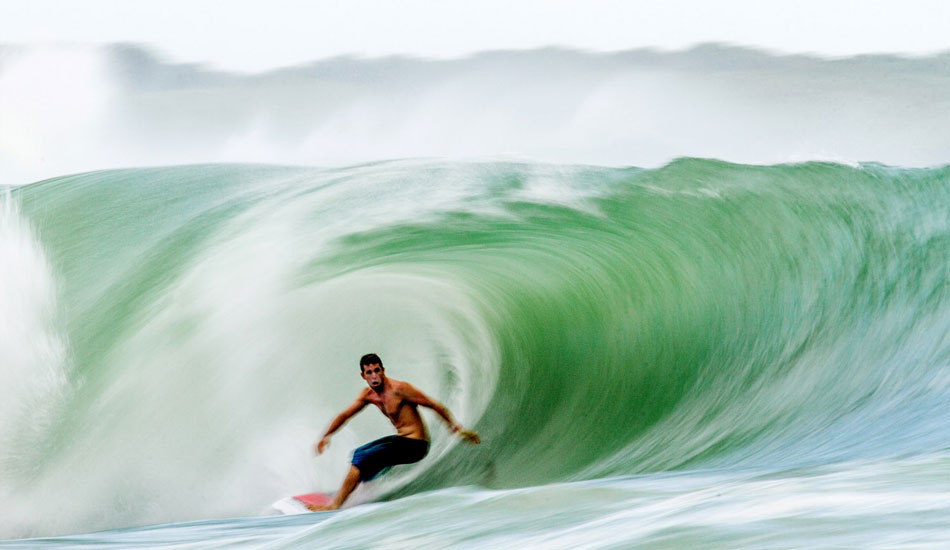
587	321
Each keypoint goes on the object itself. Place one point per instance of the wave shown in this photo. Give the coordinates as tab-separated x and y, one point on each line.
74	109
203	323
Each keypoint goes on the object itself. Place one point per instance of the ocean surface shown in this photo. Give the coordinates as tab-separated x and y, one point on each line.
699	354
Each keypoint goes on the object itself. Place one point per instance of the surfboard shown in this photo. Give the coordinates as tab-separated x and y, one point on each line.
298	504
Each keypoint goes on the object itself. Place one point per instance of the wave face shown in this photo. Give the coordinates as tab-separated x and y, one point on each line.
197	326
72	109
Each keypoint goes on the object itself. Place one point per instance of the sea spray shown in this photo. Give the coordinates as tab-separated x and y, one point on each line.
34	365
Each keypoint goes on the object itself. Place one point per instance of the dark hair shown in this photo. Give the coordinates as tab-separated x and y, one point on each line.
370	359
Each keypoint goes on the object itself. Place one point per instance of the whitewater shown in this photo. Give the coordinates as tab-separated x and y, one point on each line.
726	337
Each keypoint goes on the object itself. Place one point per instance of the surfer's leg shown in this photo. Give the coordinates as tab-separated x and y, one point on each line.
372	458
350	482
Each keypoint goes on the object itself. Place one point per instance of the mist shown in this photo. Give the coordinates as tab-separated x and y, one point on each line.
68	109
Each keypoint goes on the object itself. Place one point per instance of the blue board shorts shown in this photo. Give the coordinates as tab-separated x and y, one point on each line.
376	456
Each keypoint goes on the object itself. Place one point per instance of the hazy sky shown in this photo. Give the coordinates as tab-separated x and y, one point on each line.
254	35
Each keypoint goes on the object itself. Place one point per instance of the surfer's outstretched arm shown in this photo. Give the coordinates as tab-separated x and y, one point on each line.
413	395
340	420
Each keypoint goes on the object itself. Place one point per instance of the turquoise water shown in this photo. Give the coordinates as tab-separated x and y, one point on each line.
704	355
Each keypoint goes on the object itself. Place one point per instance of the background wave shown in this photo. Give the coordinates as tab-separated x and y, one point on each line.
197	326
71	109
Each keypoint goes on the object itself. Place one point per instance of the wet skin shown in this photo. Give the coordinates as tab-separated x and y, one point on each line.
399	402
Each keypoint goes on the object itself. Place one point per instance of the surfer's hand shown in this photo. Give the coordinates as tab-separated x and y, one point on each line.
321	445
468	435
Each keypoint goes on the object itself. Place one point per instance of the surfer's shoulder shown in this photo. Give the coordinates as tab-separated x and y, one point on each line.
411	393
399	386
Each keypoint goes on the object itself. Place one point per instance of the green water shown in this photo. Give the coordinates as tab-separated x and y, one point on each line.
702	355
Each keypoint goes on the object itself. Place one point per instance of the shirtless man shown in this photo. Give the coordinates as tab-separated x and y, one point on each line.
399	401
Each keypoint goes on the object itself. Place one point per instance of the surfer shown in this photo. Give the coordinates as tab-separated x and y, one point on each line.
399	401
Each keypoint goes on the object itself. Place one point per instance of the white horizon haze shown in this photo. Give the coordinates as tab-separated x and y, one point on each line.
244	36
102	85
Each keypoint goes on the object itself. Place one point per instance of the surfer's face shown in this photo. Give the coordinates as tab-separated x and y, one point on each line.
374	376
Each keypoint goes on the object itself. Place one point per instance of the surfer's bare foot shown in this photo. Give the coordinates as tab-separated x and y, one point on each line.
323	508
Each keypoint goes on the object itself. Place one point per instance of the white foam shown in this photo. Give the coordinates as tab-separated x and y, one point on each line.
33	353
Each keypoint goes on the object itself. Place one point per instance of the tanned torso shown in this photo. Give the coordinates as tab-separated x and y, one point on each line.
400	402
393	403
